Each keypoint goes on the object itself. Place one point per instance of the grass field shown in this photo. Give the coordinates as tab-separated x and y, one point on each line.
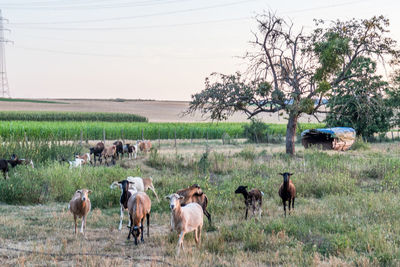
19	100
346	211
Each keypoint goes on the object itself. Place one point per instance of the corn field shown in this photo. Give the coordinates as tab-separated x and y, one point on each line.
19	130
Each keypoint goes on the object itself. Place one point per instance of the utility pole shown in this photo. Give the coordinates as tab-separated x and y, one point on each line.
4	88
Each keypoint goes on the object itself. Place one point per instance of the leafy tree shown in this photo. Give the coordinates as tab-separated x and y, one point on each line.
361	102
292	71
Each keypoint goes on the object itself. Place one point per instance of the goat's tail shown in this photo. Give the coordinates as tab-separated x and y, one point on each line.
262	193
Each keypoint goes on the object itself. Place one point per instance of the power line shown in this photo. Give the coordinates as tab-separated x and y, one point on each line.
138	27
137	16
91	7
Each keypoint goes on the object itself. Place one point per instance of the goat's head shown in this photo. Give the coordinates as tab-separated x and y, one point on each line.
286	176
91	150
241	189
124	184
84	193
196	189
136	230
14	157
174	200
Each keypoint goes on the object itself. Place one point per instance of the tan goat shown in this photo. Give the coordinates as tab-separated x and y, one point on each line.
185	219
109	152
142	184
139	206
195	194
80	206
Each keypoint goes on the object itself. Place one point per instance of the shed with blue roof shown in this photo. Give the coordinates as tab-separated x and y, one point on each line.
337	138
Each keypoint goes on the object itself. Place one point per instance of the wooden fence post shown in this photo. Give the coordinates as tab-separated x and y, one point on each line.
104	136
122	135
81	141
207	136
191	137
175	137
159	138
142	135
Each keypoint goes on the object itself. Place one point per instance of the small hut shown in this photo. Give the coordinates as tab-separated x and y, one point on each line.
338	138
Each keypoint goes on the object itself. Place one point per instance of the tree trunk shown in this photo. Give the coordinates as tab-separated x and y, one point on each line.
291	133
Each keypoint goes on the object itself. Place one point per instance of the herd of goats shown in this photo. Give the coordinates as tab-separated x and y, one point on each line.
187	205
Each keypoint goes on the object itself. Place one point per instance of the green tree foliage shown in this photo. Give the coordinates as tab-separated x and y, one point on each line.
361	102
294	72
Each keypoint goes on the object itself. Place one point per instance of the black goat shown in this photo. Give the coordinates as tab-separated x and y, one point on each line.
251	198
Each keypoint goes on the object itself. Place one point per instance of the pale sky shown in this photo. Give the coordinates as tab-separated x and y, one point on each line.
148	49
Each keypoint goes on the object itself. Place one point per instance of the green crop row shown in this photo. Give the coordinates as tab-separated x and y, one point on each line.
69	116
123	130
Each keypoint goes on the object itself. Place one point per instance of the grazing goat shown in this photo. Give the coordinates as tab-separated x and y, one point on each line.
80	206
22	161
129	149
126	192
13	162
76	163
139	206
109	152
119	149
96	151
84	157
144	145
196	195
4	168
143	184
185	219
287	191
251	199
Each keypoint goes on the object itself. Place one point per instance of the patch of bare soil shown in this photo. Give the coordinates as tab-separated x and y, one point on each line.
155	111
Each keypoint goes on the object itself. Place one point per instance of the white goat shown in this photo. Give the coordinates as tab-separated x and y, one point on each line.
80	206
76	163
127	190
185	219
142	184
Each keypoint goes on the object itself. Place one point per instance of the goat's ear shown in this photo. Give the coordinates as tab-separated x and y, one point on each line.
245	186
180	197
79	191
167	197
280	173
291	174
120	182
89	191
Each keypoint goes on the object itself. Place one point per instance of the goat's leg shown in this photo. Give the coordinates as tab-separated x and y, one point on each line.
196	238
247	210
200	228
284	206
148	224
121	218
83	223
154	191
141	230
290	202
293	204
130	227
75	222
208	215
180	243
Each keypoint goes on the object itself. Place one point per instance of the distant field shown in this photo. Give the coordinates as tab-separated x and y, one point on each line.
155	111
15	100
130	130
69	116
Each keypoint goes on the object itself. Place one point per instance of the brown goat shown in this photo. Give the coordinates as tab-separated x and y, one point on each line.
145	145
194	194
80	206
139	206
287	191
109	152
251	199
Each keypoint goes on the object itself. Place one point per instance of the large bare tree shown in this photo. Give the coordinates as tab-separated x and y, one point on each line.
293	71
